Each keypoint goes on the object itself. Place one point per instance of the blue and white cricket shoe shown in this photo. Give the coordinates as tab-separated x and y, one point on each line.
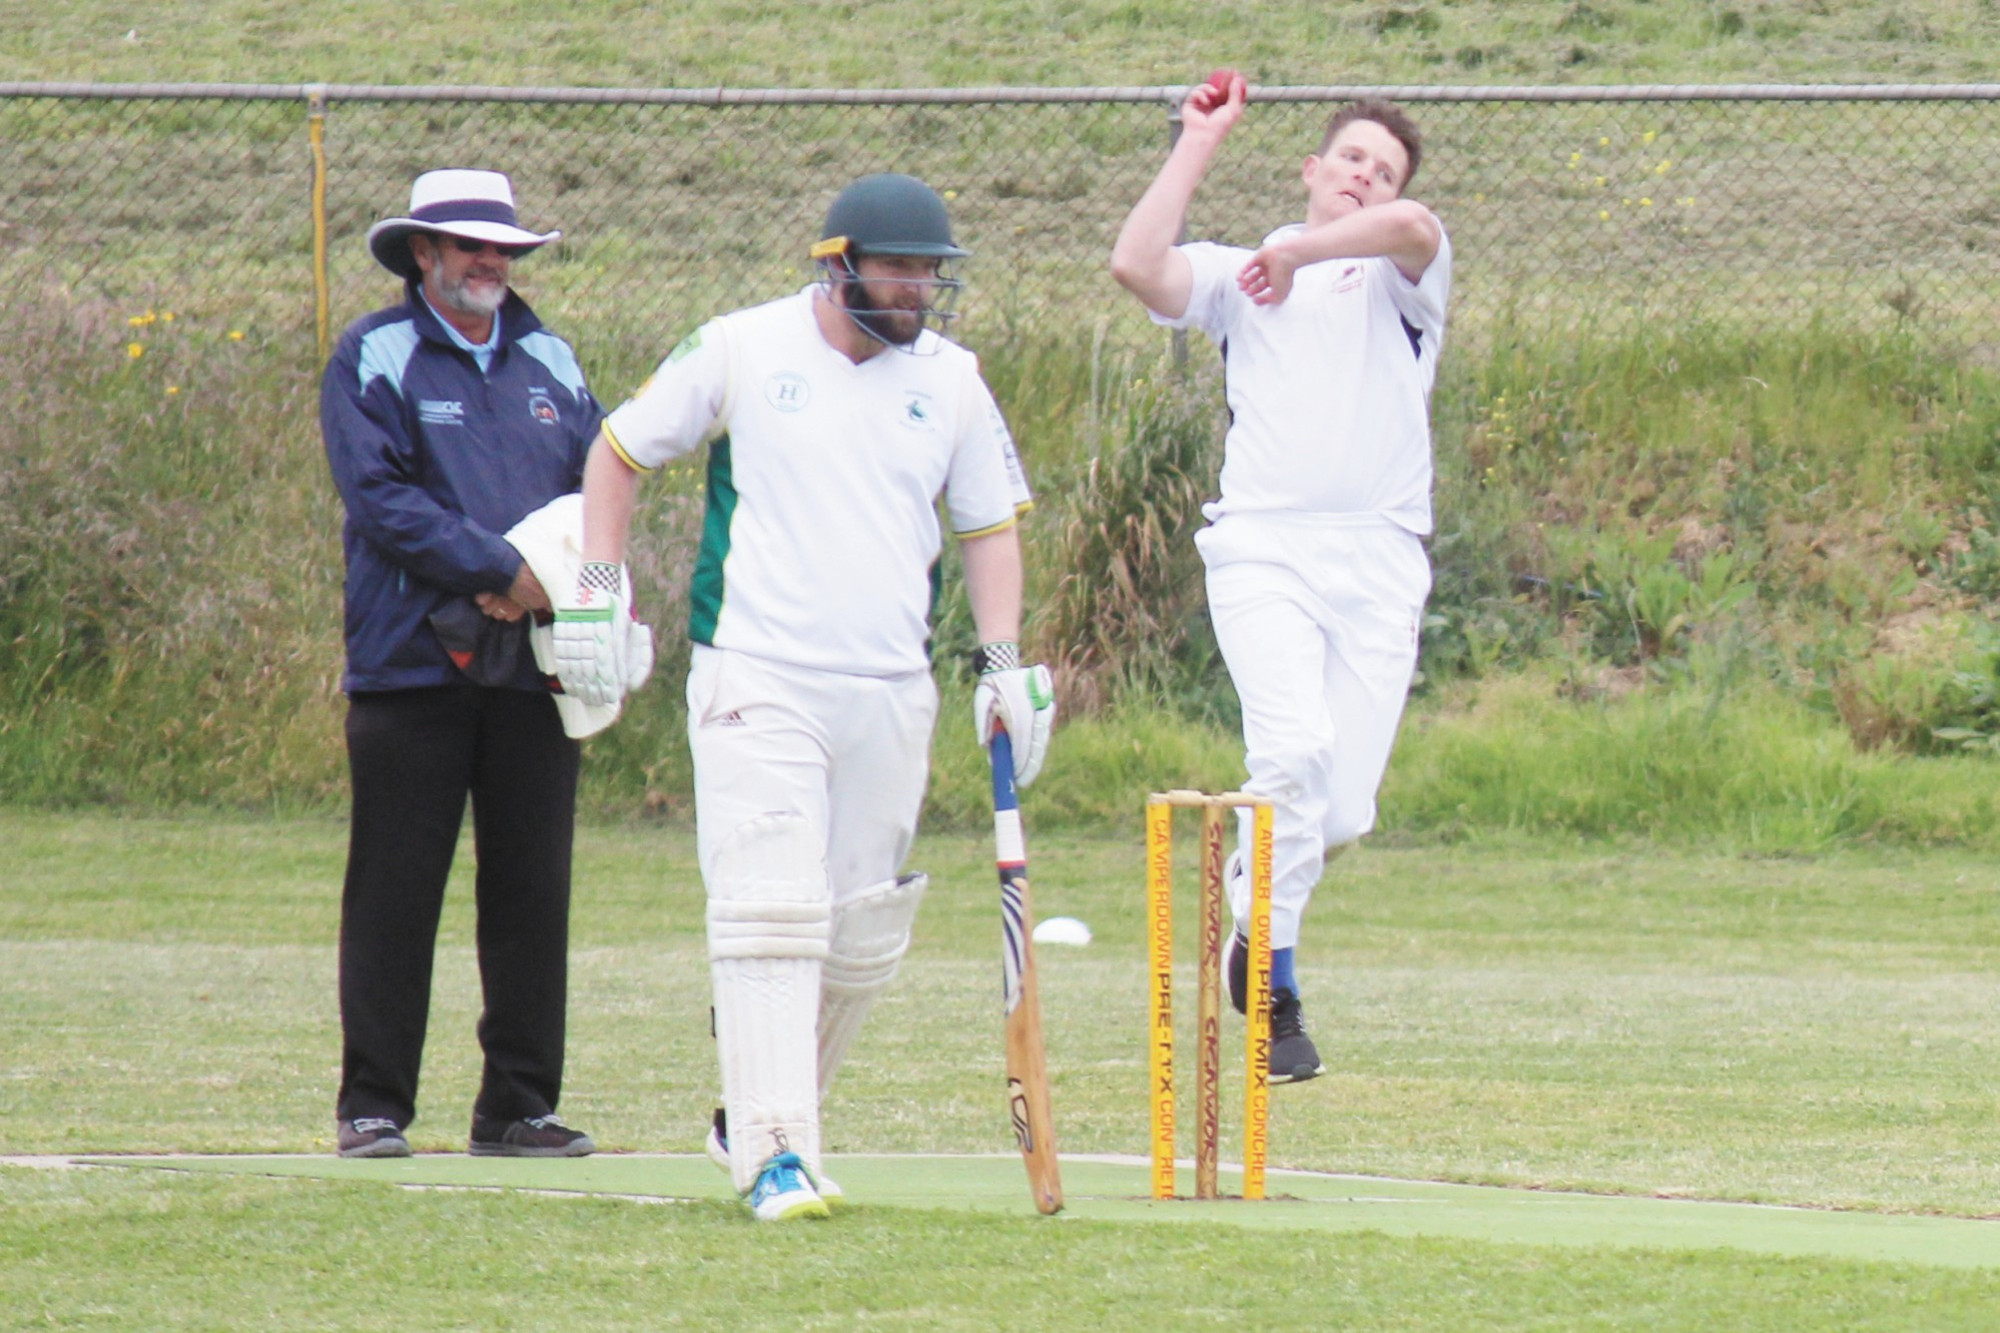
717	1147
784	1191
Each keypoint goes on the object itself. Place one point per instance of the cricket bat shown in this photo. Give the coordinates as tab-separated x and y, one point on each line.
1027	1062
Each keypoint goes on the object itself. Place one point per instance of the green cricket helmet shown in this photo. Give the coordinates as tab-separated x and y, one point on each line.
887	214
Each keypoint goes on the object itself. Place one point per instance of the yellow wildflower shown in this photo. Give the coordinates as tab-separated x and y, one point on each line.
173	389
236	335
135	350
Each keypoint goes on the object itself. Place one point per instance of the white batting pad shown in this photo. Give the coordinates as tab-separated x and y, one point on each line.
870	936
768	921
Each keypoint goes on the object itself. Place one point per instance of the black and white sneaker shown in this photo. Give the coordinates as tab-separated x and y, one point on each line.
372	1136
535	1136
1294	1058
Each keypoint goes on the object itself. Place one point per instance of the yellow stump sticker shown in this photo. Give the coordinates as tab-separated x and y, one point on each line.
1257	1057
1160	954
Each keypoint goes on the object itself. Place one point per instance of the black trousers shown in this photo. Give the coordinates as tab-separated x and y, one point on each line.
415	756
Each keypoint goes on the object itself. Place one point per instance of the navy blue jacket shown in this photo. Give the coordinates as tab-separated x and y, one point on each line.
435	461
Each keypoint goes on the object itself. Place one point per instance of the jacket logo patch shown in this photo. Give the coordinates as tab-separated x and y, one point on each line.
542	407
919	413
787	391
440	412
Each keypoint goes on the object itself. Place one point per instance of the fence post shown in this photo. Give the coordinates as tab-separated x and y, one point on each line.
1173	137
322	291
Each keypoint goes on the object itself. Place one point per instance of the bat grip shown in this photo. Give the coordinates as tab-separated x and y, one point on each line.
1001	752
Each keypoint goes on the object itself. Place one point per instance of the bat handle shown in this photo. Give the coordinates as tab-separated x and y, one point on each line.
1001	751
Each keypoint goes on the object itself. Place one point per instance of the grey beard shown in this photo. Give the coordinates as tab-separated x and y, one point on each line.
460	297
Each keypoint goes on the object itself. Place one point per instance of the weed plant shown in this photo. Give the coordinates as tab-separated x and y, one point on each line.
1712	579
170	565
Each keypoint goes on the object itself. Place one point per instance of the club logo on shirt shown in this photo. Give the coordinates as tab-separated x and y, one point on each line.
919	412
1348	279
787	391
542	407
440	412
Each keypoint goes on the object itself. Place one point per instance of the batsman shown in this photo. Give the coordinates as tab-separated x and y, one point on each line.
833	420
1317	573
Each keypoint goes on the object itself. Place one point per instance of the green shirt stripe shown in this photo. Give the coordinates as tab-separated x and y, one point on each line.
705	598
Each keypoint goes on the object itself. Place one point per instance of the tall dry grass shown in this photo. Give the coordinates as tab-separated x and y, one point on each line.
1781	534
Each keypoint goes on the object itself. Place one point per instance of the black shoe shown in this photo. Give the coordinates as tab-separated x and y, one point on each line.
1236	966
372	1136
1294	1058
536	1136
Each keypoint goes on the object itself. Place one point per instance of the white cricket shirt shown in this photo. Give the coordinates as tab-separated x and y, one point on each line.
823	476
1329	391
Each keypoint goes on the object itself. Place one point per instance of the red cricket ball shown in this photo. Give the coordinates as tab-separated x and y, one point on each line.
1220	80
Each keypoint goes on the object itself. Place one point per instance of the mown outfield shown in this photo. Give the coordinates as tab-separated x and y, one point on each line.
1616	1018
1685	889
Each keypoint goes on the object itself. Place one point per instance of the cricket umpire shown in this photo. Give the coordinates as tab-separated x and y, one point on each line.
448	418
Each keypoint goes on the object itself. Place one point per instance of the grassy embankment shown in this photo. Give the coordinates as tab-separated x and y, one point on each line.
1701	582
940	43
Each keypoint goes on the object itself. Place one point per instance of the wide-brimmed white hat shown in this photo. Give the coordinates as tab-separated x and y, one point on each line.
478	205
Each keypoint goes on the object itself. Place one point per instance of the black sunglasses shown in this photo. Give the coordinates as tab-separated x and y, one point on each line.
466	246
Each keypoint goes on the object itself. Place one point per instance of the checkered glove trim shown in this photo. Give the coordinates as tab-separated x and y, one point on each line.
1000	655
601	575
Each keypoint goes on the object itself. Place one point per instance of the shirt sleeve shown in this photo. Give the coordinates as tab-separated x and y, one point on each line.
374	462
681	407
985	488
1211	298
1423	302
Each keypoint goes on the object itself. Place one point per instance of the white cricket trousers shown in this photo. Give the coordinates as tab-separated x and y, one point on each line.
841	761
849	753
1318	617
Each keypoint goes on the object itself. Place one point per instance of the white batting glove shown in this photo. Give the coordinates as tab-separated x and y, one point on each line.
593	637
638	652
1023	699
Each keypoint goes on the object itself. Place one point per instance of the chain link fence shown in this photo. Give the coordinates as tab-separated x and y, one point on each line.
1574	207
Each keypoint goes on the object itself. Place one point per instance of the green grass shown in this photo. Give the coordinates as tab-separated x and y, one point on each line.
266	1255
1754	767
1619	1017
1784	991
885	43
1672	597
